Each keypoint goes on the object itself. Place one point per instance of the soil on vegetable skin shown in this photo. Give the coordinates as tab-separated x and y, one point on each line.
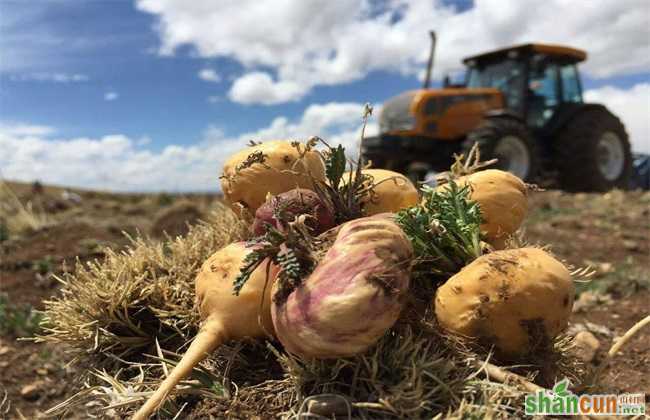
607	231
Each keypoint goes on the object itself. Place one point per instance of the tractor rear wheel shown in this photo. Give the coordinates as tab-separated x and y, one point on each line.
592	152
508	141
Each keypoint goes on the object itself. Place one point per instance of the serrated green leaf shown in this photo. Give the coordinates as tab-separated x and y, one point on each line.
444	229
335	165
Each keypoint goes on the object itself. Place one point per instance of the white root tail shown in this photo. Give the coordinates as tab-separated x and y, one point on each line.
206	341
626	337
501	375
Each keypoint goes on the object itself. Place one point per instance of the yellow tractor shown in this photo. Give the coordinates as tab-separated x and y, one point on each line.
523	105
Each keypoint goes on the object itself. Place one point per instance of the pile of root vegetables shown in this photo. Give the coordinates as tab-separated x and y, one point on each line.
338	253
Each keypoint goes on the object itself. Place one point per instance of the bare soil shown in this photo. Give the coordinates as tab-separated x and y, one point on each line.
609	232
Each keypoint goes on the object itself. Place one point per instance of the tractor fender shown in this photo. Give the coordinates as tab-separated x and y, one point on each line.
503	113
565	113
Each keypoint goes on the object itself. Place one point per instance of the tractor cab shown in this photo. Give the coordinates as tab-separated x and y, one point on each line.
535	79
523	106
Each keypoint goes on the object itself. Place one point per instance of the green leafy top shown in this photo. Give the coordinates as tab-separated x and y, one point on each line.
444	230
289	245
335	162
265	247
345	197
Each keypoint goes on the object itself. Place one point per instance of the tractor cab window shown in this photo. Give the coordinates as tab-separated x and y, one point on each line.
507	76
571	91
542	93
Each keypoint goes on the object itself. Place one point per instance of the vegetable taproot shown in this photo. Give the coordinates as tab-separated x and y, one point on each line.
502	198
290	204
352	297
518	300
271	167
224	315
390	191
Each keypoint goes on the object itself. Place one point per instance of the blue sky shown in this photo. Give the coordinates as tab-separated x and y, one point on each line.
134	95
159	97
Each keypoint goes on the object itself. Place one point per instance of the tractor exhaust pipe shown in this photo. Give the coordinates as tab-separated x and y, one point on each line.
427	78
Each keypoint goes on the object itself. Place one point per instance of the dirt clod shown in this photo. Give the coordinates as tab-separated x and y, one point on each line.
176	220
32	391
586	346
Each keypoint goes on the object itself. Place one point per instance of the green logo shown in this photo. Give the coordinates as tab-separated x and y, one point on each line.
560	401
556	402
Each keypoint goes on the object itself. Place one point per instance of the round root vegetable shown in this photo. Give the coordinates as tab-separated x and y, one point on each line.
224	315
392	192
503	202
517	299
352	297
294	203
272	168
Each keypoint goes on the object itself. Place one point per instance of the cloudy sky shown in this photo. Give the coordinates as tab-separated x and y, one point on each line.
154	94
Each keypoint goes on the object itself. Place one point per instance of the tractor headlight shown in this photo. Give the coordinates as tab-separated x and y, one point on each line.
397	123
395	114
407	122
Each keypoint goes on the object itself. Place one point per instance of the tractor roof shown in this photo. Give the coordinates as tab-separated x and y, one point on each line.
567	53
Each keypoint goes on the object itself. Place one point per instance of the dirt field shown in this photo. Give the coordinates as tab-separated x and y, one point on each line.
608	232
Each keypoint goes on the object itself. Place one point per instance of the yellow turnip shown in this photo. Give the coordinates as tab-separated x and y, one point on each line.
224	315
271	167
519	300
391	192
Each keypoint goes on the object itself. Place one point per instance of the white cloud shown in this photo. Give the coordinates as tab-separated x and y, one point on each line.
336	122
121	163
321	42
143	141
259	88
18	129
111	96
50	77
632	106
209	75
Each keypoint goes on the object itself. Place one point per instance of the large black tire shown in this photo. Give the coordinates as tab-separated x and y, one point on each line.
577	152
492	132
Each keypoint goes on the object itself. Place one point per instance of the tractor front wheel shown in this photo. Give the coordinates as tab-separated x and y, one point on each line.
508	141
592	152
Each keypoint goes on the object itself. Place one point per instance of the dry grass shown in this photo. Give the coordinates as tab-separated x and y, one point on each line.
408	374
16	217
110	314
118	306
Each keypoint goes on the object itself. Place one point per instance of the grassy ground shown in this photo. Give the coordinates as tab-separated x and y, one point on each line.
52	230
